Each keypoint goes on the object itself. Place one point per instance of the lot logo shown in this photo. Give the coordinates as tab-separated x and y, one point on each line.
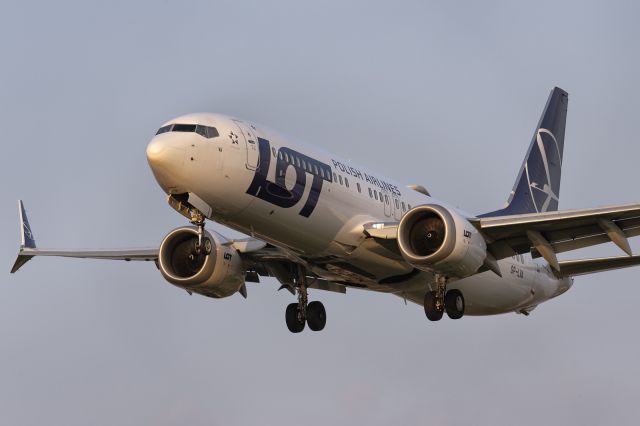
276	192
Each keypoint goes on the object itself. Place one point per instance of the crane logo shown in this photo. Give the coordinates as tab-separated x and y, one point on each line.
541	183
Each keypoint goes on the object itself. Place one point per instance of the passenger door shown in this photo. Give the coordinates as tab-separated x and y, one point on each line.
388	208
249	133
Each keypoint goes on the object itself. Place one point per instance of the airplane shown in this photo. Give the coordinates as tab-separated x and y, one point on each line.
316	221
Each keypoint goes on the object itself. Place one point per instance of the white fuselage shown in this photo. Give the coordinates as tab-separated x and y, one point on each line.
236	179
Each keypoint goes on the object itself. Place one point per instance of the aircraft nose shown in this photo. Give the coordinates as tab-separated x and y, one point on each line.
166	159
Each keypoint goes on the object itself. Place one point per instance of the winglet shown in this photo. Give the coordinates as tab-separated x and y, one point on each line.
27	241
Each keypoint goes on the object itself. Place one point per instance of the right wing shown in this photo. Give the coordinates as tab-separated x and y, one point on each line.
259	258
28	248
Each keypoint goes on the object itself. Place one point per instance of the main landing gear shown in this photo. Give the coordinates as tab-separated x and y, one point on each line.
441	300
304	312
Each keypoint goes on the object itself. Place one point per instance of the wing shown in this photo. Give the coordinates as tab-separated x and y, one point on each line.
557	232
546	234
28	248
259	258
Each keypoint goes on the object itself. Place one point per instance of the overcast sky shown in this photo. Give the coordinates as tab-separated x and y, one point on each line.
446	95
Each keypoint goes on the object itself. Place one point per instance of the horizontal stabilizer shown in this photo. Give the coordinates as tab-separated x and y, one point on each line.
571	268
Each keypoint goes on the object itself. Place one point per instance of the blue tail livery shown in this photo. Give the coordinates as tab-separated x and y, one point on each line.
537	188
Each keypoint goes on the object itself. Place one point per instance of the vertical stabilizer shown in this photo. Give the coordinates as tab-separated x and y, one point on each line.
537	188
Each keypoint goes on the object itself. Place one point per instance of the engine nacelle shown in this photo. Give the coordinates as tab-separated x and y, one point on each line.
436	239
218	274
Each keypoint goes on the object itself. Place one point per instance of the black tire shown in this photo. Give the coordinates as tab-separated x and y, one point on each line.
291	316
430	307
316	316
454	304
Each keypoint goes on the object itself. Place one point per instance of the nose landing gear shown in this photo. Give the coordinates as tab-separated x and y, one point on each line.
441	300
203	245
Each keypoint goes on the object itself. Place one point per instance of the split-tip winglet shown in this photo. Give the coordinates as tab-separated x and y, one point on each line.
27	241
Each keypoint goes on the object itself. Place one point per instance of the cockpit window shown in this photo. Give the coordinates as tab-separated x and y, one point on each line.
164	129
206	131
184	128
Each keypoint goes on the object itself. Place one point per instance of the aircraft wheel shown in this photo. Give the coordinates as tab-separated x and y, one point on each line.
295	323
430	308
316	316
454	304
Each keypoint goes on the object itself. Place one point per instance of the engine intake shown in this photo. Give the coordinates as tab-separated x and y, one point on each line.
218	274
436	239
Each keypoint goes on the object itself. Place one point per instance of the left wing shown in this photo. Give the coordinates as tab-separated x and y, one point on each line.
543	234
557	232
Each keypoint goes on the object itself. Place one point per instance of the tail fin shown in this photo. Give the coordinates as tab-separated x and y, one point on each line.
537	188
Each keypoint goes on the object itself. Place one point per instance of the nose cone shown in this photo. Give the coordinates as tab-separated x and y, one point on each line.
166	159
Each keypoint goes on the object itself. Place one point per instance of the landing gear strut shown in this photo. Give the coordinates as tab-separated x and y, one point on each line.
303	312
438	301
203	245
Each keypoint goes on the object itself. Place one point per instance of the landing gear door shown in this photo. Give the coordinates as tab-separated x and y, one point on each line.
251	142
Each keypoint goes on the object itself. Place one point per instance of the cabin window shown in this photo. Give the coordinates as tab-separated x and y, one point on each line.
403	207
340	177
397	204
375	194
346	182
358	186
370	194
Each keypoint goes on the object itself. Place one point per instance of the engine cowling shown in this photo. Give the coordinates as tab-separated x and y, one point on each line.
218	274
436	239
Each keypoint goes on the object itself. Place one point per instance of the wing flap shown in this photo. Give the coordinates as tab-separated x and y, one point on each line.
571	268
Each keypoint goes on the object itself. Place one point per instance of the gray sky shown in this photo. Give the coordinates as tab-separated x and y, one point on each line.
446	95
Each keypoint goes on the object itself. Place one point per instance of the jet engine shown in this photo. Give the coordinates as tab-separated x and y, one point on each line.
436	239
217	274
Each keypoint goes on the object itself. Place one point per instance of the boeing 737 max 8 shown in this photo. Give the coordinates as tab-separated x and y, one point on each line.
318	221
